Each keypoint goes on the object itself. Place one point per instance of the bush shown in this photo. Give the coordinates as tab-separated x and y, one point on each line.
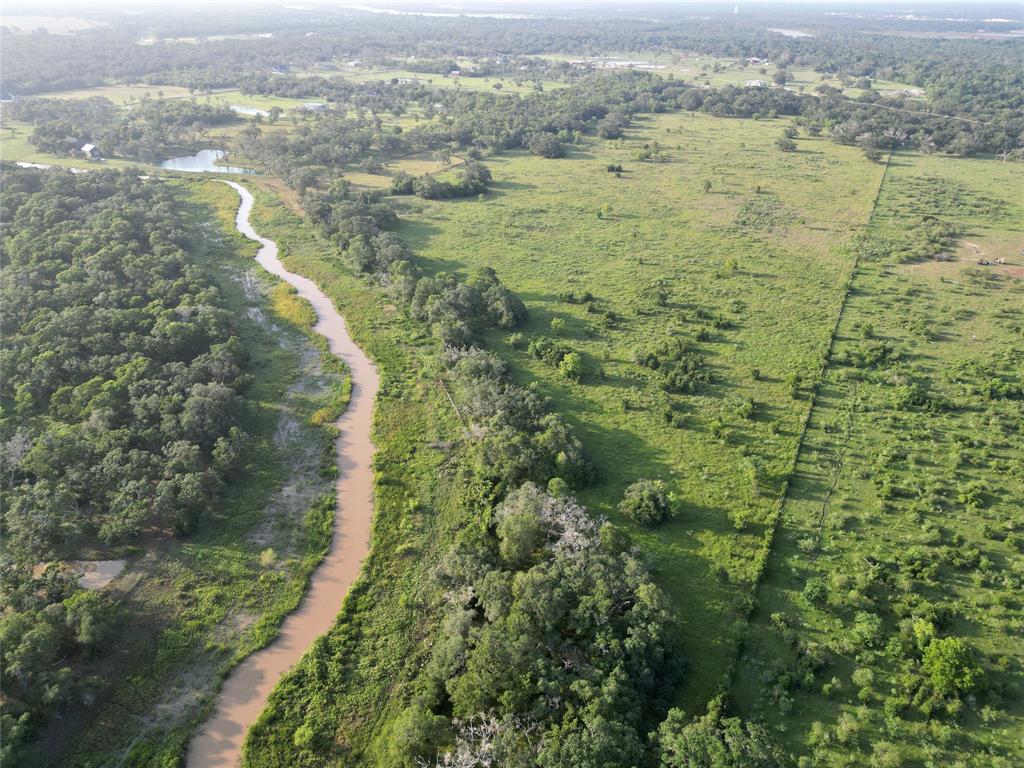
547	145
646	502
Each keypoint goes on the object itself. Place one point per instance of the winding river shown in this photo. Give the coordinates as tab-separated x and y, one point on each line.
246	690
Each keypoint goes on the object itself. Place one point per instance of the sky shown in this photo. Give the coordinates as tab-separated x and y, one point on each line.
43	7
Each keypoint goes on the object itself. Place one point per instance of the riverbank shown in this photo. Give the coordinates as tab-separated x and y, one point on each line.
247	689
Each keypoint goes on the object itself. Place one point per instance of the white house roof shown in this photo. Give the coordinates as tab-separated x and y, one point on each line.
88	147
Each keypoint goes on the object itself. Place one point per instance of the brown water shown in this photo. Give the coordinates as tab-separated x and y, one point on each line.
245	692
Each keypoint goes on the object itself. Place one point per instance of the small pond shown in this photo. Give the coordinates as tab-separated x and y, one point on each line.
252	111
203	161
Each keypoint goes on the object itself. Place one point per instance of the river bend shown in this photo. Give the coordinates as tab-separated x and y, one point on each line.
246	690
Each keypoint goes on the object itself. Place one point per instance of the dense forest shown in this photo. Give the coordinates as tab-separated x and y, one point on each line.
122	394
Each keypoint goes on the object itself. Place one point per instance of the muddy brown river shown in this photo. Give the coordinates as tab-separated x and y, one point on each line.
246	690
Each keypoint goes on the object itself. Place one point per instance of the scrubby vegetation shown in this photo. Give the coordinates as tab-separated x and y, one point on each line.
896	544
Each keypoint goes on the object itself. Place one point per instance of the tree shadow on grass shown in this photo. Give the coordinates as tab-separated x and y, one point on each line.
499	187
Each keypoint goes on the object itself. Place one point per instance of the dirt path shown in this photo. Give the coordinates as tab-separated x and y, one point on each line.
247	688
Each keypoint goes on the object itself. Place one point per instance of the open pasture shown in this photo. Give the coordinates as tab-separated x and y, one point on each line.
749	272
903	521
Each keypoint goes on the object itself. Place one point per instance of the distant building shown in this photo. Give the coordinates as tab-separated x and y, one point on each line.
407	80
756	84
280	69
314	106
455	73
90	151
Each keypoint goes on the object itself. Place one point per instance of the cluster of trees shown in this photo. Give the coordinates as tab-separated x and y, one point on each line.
557	355
544	122
681	366
554	636
121	389
872	121
473	178
326	140
517	436
122	371
48	624
144	132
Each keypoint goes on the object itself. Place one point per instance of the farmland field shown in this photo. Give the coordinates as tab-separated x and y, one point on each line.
904	512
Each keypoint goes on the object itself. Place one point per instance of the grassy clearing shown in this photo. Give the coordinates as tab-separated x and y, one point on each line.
924	455
761	294
196	607
122	93
418	164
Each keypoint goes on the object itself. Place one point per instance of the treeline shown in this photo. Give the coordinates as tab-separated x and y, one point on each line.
145	131
871	121
458	312
121	390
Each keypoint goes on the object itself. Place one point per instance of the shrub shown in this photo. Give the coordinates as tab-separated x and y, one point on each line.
546	145
646	502
571	366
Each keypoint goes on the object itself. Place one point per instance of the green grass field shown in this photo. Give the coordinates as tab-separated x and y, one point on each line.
924	515
772	284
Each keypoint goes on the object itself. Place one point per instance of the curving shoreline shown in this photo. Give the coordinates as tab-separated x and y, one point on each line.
244	694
